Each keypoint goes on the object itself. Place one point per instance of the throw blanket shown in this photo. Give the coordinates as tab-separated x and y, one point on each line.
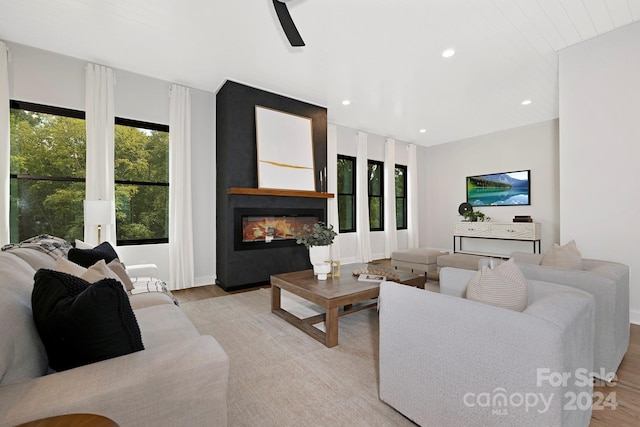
53	246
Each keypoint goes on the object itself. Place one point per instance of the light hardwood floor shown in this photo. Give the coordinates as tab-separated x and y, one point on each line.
624	392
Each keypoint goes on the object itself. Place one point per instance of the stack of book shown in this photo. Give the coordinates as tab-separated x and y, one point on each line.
522	218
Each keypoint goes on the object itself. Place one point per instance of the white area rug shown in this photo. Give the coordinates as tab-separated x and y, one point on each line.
279	376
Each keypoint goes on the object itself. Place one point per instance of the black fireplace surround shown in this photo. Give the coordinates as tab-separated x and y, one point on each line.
248	264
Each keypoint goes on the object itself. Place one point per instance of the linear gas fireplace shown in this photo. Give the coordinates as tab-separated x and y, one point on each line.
265	228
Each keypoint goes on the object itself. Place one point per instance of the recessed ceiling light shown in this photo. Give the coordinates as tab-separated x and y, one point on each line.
448	53
346	102
422	130
526	102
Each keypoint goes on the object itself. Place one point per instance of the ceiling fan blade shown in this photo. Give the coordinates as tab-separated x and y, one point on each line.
288	26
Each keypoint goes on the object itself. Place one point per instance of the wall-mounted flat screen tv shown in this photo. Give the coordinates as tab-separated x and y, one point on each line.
500	189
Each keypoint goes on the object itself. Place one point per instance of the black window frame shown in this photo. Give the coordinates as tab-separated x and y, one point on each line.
151	126
15	104
79	114
402	198
380	196
352	195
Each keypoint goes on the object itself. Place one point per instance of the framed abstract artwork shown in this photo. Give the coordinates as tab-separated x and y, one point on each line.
284	143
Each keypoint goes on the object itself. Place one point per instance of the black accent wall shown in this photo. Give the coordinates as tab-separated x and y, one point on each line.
236	166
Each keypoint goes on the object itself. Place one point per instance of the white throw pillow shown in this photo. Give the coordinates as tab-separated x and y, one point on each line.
84	245
567	257
504	286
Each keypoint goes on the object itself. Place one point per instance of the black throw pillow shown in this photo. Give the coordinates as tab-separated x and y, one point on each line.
88	257
82	323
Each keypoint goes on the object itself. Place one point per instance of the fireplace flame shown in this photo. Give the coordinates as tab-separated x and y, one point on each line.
267	228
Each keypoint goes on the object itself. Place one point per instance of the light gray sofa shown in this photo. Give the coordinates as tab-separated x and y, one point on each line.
449	361
608	282
179	379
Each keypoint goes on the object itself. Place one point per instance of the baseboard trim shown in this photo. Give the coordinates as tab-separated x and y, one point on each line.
634	317
204	280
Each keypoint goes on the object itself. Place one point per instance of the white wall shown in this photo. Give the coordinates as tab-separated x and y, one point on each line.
600	150
51	79
444	168
347	138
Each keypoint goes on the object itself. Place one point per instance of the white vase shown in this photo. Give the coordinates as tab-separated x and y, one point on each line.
320	257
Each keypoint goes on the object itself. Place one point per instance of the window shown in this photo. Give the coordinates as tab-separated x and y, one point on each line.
47	175
141	172
47	171
347	193
401	197
376	202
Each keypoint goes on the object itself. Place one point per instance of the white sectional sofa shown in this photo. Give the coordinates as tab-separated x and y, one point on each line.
179	379
449	361
608	282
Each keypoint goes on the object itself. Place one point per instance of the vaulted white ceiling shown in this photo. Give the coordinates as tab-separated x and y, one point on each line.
382	55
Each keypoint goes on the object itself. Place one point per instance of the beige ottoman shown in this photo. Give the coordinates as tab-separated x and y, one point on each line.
419	259
464	261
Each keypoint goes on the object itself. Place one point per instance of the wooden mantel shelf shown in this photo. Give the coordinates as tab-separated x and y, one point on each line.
279	192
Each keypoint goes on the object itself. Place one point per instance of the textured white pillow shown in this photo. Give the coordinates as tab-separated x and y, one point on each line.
567	257
504	286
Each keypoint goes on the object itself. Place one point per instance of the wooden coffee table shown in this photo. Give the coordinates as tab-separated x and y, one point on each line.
336	295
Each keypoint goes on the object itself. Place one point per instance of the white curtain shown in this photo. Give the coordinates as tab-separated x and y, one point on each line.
4	145
181	264
100	123
412	203
332	187
390	227
362	200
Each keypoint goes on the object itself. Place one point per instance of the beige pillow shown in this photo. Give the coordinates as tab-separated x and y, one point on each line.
66	266
567	257
97	271
117	267
504	286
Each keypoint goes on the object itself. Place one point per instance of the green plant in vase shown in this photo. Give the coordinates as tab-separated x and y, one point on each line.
320	234
473	216
318	240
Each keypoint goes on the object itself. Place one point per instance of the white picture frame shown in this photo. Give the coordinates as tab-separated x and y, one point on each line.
284	145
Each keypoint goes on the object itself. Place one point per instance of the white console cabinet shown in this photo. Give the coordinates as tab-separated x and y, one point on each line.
520	231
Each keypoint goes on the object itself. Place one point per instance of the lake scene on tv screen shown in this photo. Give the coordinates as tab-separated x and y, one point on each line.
499	189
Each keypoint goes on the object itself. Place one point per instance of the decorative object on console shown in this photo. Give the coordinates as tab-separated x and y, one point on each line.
522	218
499	189
464	208
318	240
474	216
